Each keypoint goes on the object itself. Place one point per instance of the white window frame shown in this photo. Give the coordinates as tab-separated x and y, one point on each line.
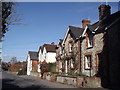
70	46
88	61
90	42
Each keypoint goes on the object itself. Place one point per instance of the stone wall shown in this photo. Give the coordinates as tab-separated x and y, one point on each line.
35	74
92	82
77	81
80	81
97	46
53	77
71	80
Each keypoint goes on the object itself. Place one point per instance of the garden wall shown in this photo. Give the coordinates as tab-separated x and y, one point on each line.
35	74
77	81
71	80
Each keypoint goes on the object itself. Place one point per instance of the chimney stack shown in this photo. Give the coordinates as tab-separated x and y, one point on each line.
104	11
85	22
52	43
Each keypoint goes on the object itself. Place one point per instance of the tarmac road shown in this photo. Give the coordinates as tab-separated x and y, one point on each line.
14	81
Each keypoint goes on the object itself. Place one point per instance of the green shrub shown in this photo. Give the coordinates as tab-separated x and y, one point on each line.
55	72
22	72
76	74
80	74
70	73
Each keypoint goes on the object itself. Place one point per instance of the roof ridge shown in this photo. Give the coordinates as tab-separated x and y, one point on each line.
32	51
75	27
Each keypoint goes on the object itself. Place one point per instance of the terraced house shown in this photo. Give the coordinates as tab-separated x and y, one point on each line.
93	49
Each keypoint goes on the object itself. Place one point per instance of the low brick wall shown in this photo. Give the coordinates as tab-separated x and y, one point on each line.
77	81
39	74
60	79
80	82
35	74
48	77
53	77
92	82
71	80
44	76
13	72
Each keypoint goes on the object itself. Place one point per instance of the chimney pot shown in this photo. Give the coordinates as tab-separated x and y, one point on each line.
52	43
104	10
85	22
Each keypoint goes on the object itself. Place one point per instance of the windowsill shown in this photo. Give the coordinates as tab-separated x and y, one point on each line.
87	69
89	47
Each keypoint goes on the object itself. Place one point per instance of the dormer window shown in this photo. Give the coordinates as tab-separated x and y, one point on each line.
89	39
70	45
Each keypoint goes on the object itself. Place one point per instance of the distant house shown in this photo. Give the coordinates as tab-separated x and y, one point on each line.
49	53
46	54
32	62
40	58
40	54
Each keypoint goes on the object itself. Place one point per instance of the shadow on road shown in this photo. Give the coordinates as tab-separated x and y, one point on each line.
8	84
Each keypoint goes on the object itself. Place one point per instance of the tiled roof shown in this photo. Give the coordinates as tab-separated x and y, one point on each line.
93	26
108	21
50	47
41	48
105	22
33	55
76	32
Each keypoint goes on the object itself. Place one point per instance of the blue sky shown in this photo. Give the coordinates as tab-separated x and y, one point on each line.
45	23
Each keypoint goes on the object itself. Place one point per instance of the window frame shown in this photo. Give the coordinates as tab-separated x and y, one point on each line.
88	42
70	45
85	61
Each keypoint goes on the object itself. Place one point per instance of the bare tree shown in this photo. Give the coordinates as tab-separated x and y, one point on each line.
13	60
7	16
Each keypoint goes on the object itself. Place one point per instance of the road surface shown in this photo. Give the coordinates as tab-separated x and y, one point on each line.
14	81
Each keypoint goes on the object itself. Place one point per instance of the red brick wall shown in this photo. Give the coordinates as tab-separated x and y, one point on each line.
34	65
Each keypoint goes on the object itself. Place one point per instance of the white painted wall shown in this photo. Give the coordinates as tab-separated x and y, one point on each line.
44	54
39	70
29	65
40	57
50	57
